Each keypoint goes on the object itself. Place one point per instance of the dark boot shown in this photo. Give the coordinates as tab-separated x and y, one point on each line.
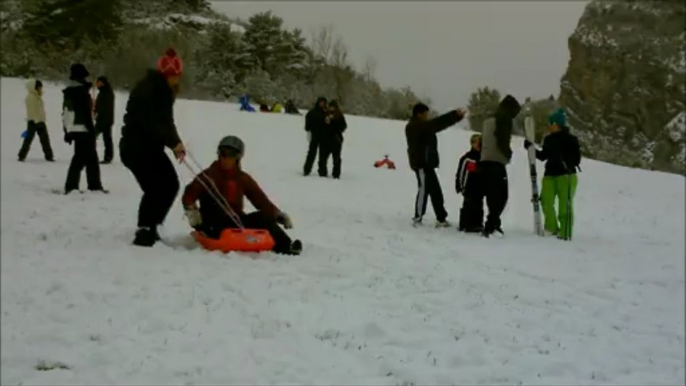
146	237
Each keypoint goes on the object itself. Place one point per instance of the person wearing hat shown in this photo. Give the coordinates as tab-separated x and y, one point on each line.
148	129
422	151
562	155
104	116
315	124
35	116
468	184
496	153
234	184
77	119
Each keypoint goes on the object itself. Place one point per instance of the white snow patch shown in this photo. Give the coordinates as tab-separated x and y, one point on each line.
676	128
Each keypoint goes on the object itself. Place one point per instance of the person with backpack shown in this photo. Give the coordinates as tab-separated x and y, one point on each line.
77	119
332	140
226	182
562	154
148	128
35	116
104	116
468	183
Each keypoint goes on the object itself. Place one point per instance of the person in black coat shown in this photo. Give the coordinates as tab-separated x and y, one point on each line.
77	119
315	124
332	140
148	128
468	183
104	116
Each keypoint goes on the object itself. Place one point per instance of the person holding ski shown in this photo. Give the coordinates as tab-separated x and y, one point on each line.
468	183
148	128
562	154
315	124
332	140
104	116
422	151
225	177
35	116
77	119
496	153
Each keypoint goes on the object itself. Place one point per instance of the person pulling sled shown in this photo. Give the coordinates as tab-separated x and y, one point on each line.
226	176
468	183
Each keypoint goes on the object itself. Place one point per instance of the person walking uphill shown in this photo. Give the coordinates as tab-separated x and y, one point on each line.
496	153
315	124
227	177
332	140
104	116
149	127
422	150
77	118
35	116
562	155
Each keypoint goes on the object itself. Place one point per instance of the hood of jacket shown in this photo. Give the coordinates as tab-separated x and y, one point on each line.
509	107
31	87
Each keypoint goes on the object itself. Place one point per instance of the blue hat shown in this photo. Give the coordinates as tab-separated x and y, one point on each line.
558	118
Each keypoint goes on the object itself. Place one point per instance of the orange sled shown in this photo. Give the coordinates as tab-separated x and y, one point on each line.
240	240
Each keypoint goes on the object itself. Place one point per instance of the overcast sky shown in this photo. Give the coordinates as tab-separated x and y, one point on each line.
444	50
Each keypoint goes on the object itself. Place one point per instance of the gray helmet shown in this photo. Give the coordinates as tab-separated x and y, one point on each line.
232	142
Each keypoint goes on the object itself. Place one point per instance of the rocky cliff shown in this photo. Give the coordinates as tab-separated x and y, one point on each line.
624	88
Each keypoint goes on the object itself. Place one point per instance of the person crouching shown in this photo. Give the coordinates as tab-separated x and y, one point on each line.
467	183
228	177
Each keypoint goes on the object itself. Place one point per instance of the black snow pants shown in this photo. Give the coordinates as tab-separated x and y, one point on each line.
157	178
313	148
472	211
495	186
429	186
106	132
31	131
85	156
330	147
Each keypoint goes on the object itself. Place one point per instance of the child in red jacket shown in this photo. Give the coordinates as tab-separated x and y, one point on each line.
467	183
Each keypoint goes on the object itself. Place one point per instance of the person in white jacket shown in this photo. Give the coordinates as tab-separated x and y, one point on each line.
35	116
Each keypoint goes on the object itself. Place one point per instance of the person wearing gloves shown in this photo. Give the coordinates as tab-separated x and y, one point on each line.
35	116
234	184
562	155
148	128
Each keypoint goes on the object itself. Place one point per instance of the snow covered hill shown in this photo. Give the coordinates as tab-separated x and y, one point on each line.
370	301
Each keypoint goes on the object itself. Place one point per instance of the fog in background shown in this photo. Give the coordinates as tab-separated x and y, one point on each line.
444	50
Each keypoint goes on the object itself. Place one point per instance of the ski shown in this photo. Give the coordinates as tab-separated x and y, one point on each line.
530	133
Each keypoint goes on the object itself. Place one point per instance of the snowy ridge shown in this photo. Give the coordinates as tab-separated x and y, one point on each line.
371	300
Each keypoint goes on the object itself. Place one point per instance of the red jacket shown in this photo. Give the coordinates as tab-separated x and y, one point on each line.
234	185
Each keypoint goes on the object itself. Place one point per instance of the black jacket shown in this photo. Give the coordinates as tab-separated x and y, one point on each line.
562	152
315	121
422	144
104	106
149	119
336	128
466	177
77	108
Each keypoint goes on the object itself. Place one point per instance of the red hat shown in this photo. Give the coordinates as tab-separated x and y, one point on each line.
170	64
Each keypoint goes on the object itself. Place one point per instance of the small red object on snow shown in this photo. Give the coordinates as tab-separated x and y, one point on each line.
385	161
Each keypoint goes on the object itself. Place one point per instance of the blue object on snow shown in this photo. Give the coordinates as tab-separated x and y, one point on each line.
245	103
24	134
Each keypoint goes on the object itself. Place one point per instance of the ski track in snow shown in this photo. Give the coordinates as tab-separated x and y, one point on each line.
370	301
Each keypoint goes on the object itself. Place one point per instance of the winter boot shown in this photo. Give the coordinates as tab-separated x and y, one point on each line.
417	221
443	224
296	247
146	237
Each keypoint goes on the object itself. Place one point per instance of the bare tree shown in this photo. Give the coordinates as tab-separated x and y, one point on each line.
322	41
369	68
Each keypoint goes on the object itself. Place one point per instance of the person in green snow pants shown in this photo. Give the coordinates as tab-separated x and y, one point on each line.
562	155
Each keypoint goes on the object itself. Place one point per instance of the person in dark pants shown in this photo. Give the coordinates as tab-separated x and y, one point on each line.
104	116
422	150
149	127
331	141
35	116
495	155
77	118
228	183
468	183
315	124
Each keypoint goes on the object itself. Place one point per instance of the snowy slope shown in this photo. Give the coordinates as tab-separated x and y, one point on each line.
370	301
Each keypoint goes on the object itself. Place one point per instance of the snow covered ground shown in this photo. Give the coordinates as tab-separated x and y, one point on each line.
370	301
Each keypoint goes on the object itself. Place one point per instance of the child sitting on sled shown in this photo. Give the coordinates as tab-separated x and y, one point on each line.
226	176
467	183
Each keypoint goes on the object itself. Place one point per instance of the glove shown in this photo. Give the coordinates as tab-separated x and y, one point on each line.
285	220
527	144
68	138
193	215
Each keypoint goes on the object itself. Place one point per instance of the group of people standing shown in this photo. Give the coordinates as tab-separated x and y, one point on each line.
325	124
482	173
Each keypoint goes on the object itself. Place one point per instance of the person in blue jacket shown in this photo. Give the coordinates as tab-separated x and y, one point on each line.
245	103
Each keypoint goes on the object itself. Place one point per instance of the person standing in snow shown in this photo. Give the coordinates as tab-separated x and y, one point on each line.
562	154
315	124
148	128
468	183
422	150
104	116
496	153
77	118
331	140
35	116
226	176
